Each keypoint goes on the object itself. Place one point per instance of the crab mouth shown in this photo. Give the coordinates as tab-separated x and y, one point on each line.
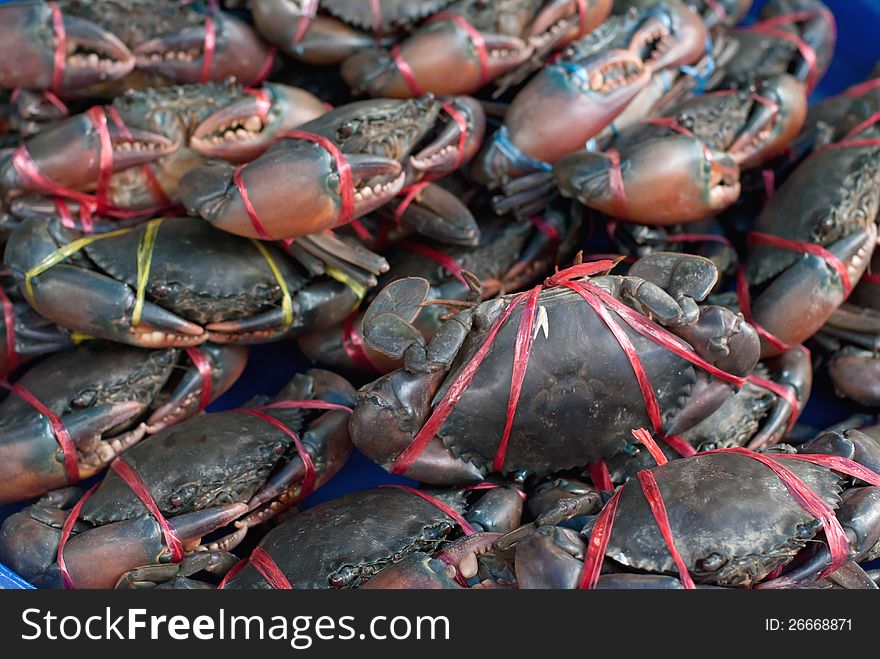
108	62
760	131
179	53
616	74
505	52
443	153
552	33
232	131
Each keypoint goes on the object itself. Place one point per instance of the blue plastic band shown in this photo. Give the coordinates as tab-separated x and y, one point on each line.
701	77
517	158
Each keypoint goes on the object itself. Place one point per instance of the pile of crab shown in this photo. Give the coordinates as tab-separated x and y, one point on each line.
565	272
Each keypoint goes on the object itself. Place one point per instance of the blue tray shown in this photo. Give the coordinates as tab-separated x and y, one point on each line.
271	366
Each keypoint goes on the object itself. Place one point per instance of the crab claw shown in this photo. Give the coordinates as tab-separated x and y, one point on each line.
693	184
312	39
562	21
430	54
98	557
724	339
550	557
226	365
91	54
446	152
311	190
32	111
670	35
582	98
245	129
181	55
772	124
31	459
438	214
69	154
456	564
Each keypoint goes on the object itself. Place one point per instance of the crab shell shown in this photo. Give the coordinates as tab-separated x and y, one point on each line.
578	403
345	541
732	519
217	291
375	136
108	398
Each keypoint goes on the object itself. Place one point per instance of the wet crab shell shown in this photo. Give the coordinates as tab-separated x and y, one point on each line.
732	519
355	535
562	418
198	272
392	13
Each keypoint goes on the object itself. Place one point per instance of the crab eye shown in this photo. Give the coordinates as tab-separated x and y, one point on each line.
345	130
84	399
342	577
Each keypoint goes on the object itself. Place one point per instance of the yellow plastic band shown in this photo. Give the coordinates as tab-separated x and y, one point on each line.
286	302
144	261
355	287
62	253
79	337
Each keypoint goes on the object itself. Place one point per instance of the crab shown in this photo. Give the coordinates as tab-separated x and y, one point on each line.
106	398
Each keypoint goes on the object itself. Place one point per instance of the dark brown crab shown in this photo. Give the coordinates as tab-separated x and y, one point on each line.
479	40
351	161
155	136
201	284
203	475
549	432
107	397
721	541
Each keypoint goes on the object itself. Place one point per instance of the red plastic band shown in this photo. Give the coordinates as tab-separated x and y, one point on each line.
848	141
838	544
208	49
54	100
545	227
268	568
476	39
465	526
256	223
448	560
600	476
343	169
66	530
811	59
769	240
678	445
862	88
203	366
870	278
459	119
615	185
310	8
266	69
406	72
362	232
656	452
12	358
744	300
68	448
669	122
494	486
581	6
60	54
309	477
698	238
598	543
137	485
521	354
658	510
376	10
354	345
437	257
598	300
149	176
783	392
409	195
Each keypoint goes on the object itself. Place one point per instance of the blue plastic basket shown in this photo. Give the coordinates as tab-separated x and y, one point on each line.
271	366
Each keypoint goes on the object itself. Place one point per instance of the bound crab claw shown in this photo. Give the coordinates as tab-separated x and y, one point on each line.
243	129
107	397
459	134
259	462
695	182
181	55
126	285
373	137
34	58
70	154
313	39
478	40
